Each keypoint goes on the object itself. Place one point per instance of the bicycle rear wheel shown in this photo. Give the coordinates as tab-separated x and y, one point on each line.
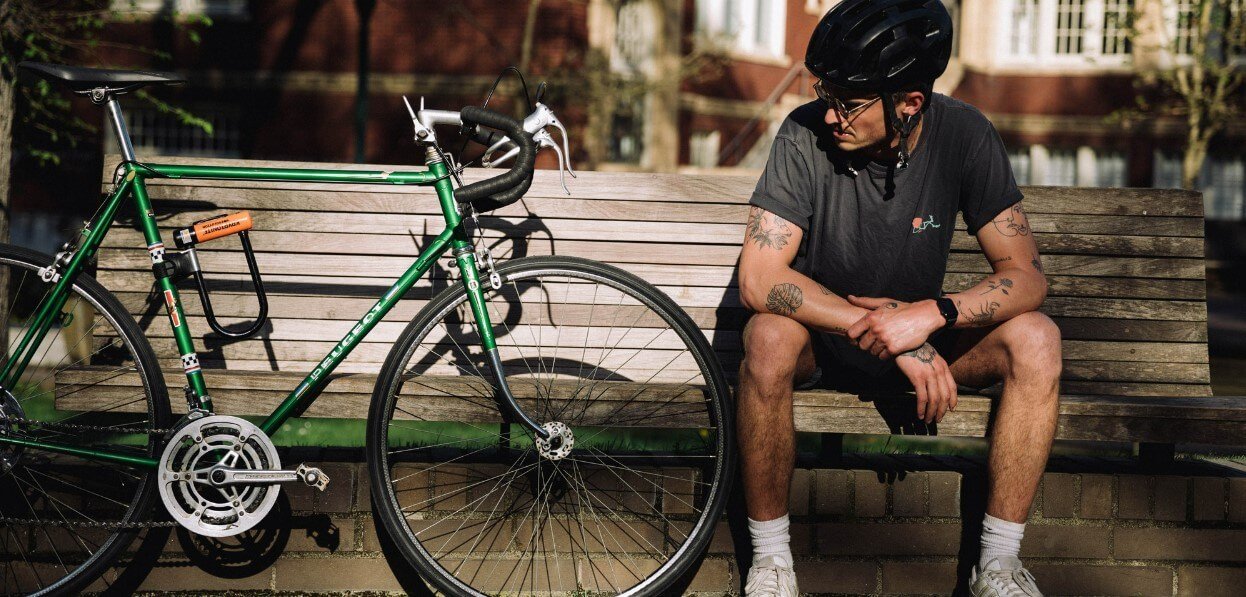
477	507
65	519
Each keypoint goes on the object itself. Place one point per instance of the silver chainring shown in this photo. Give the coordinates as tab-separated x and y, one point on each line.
194	501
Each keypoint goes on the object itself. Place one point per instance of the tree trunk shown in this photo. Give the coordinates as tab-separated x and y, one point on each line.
7	109
1195	150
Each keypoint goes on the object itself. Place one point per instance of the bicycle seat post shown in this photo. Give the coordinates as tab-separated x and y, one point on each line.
118	121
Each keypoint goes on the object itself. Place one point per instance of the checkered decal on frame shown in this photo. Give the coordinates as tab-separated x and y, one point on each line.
190	362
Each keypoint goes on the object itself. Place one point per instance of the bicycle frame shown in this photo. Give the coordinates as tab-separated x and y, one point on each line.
453	238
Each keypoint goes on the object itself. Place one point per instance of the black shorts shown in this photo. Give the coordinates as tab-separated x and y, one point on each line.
846	368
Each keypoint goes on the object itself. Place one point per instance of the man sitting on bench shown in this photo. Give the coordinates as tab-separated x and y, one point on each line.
843	262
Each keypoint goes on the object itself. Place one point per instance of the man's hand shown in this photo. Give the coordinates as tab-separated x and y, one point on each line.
931	377
893	327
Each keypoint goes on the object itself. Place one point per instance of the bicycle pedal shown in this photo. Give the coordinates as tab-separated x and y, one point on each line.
312	476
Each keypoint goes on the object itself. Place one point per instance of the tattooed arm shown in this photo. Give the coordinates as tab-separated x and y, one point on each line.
1017	283
768	284
1015	286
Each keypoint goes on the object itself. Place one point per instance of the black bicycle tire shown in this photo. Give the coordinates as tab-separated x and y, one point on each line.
385	507
158	409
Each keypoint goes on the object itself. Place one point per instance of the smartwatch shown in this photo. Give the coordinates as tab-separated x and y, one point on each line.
947	308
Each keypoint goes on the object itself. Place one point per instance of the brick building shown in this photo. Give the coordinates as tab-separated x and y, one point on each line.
656	85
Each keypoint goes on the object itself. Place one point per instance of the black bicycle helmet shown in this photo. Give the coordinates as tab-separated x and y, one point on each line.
883	46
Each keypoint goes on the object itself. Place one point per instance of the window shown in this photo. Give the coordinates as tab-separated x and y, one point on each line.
703	148
1110	169
159	133
1024	38
1061	168
1116	26
1069	29
1020	160
210	8
1166	172
627	127
756	27
1222	181
1185	29
1064	33
633	39
1224	188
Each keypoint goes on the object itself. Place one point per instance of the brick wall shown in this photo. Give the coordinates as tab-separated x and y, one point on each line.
855	532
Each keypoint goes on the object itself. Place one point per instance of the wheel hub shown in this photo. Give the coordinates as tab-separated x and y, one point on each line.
195	453
559	444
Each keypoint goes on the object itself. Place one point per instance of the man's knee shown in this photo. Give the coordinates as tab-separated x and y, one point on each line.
1032	346
773	345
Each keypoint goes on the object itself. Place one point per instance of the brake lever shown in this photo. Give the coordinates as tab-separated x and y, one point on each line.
543	139
566	148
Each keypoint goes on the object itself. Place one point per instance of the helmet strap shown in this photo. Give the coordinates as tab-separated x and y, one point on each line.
903	126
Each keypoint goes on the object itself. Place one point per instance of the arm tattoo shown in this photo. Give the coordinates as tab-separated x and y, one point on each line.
924	353
776	233
891	305
784	299
984	316
824	289
1002	285
1008	258
1038	265
1012	222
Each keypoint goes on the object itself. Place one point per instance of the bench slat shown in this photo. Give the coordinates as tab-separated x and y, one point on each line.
281	306
405	244
646	254
566	217
713	188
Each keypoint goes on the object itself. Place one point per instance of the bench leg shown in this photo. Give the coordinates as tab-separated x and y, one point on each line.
1155	455
831	455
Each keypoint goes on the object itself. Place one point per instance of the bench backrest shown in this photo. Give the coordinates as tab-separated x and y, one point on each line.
1125	266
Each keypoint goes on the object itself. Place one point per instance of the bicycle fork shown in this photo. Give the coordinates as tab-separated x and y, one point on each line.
466	260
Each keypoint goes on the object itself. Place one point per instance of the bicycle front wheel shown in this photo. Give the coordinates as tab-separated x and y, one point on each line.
478	507
93	383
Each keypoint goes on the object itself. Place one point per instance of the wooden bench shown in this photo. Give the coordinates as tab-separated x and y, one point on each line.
1125	267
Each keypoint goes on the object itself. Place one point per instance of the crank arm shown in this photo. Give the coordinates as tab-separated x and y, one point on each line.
221	476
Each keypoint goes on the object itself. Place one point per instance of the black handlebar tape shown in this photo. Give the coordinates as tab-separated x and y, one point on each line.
500	191
486	138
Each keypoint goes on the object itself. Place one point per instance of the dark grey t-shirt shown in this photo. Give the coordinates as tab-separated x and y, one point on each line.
882	232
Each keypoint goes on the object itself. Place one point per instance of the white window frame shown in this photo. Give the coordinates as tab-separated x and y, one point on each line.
703	148
732	26
235	9
1044	56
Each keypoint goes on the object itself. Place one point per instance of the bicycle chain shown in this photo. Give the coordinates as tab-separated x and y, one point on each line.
77	427
84	523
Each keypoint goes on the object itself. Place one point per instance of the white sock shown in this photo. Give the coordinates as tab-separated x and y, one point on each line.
1000	538
770	538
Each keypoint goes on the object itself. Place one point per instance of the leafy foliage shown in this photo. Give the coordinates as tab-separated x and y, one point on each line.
70	32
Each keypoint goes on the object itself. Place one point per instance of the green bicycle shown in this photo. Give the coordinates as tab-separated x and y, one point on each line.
551	424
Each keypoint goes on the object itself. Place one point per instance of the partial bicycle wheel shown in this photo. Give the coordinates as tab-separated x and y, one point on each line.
93	383
626	506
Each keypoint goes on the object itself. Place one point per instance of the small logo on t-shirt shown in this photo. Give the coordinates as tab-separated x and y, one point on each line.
919	224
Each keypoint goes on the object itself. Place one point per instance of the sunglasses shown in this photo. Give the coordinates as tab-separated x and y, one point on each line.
834	102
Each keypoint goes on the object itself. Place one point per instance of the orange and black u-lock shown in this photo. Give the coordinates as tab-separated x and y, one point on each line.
187	263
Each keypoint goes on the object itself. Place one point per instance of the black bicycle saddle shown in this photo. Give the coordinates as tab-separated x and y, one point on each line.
82	79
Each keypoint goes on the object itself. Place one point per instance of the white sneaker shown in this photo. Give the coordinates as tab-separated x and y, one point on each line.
771	579
1003	577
